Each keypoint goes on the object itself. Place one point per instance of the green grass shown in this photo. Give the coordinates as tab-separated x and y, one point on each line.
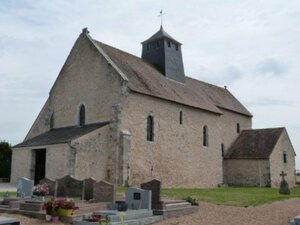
10	193
232	196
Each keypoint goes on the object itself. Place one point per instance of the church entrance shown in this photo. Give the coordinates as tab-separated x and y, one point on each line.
40	165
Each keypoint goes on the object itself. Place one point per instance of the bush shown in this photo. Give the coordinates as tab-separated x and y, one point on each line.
5	159
192	200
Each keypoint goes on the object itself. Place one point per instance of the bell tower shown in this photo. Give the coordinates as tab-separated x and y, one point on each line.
164	52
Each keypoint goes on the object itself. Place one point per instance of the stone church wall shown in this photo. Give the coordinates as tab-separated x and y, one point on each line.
247	172
57	162
86	78
228	126
92	153
177	156
277	164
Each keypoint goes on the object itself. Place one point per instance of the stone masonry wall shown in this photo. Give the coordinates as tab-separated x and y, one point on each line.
92	153
86	78
247	172
277	164
57	162
177	156
227	125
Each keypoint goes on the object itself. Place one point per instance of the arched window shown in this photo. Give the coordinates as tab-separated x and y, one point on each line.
150	128
52	121
82	116
205	136
238	128
284	157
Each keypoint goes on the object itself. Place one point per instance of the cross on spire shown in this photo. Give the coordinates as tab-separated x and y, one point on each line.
283	175
161	14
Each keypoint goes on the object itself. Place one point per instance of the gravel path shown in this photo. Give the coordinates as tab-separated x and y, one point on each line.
278	213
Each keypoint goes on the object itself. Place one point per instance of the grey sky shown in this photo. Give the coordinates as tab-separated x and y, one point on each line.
251	46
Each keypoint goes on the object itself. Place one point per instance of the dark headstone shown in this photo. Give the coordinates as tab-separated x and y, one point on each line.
155	187
284	186
68	186
50	183
89	188
104	192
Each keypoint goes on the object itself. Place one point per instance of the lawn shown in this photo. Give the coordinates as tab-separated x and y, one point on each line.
232	196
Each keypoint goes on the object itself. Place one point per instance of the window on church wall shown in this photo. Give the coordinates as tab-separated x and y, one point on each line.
150	128
238	128
148	47
284	157
205	136
157	43
52	121
176	46
169	43
82	116
180	117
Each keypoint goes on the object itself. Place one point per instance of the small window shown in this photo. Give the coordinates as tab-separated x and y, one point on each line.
148	47
52	121
150	128
180	117
223	149
238	128
205	136
176	46
169	44
284	158
157	43
82	116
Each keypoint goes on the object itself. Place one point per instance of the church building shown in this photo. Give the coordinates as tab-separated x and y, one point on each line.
125	119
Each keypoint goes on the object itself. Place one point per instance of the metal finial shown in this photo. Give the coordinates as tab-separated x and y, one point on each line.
161	14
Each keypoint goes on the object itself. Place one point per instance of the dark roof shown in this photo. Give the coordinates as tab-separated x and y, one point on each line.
254	144
146	79
60	135
160	34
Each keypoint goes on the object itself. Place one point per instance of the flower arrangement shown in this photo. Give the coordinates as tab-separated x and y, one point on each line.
54	207
41	190
65	204
49	206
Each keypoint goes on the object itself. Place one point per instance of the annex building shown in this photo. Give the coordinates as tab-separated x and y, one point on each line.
115	116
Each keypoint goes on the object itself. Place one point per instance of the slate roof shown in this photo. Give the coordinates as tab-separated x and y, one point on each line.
61	135
254	144
160	34
146	79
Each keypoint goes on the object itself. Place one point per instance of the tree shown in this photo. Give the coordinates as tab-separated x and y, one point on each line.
5	159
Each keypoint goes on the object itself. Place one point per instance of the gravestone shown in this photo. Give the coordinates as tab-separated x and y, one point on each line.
9	221
284	186
24	187
104	192
68	186
50	183
137	198
155	187
89	188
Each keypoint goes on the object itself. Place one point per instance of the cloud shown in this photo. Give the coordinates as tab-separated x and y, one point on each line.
272	67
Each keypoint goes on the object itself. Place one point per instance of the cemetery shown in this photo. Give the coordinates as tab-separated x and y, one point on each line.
91	202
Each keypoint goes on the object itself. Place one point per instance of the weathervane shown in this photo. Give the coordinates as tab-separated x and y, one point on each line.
161	14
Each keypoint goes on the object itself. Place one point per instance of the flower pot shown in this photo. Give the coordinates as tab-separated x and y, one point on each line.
55	219
64	212
48	217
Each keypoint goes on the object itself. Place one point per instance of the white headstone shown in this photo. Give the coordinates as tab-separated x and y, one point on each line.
137	198
24	187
